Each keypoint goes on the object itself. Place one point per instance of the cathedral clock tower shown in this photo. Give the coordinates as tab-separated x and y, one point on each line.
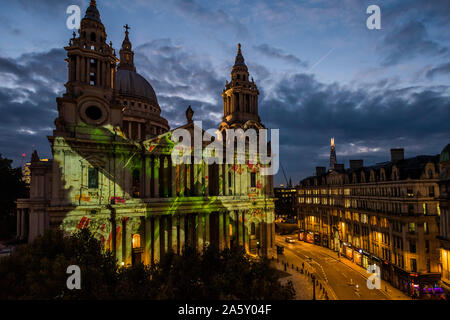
240	98
89	99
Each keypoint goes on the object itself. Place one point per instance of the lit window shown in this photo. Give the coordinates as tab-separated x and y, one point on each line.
136	241
93	178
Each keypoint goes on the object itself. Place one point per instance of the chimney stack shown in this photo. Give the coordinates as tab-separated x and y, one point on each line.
397	154
356	164
320	171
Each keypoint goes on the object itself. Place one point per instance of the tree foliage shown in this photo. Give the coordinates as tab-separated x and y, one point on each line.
11	188
38	271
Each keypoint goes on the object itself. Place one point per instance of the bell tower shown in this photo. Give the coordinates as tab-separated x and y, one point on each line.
240	98
89	96
126	53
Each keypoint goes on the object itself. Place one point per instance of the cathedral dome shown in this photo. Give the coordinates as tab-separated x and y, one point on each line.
131	83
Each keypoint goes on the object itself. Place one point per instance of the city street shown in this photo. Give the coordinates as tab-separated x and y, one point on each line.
345	282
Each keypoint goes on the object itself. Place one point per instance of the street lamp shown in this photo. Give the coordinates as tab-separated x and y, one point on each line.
313	278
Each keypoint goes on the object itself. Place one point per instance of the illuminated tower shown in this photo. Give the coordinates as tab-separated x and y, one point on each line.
89	98
240	98
332	155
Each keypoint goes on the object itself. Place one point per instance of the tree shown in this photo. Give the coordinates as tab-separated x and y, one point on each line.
12	187
38	271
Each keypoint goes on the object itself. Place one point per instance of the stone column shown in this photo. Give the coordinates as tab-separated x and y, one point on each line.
83	70
108	75
181	221
127	243
174	178
221	168
222	244
201	231
156	240
198	179
182	173
147	176
78	69
173	233
205	178
156	164
207	230
147	240
98	73
245	236
88	70
226	219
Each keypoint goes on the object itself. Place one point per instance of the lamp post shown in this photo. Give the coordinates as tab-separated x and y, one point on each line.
313	278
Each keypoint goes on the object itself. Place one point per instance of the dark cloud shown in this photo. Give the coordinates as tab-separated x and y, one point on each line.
210	17
442	69
365	121
273	52
408	41
28	90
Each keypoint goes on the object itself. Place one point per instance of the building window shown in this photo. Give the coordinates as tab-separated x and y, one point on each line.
412	227
425	228
136	183
431	191
410	192
253	180
136	241
413	265
412	246
93	178
253	229
427	246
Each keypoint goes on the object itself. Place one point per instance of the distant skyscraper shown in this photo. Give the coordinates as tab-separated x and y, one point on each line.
332	155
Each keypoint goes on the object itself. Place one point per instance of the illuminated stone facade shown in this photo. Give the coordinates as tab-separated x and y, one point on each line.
112	170
385	214
444	225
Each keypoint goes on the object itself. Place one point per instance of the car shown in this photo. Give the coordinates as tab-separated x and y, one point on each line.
290	240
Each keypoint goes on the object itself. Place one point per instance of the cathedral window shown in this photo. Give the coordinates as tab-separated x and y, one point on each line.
253	229
253	180
93	113
93	178
136	183
93	36
136	241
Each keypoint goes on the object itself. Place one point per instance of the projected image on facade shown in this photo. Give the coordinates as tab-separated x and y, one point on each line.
112	169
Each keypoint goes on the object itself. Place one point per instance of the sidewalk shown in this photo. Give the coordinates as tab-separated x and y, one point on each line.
302	283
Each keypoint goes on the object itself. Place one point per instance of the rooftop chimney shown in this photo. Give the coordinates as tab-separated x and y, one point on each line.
356	164
320	171
397	154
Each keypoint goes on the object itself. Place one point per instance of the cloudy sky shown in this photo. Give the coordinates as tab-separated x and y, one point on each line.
321	73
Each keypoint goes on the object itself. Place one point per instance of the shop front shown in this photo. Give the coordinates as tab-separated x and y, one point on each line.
317	238
325	241
310	237
348	250
358	257
365	260
301	235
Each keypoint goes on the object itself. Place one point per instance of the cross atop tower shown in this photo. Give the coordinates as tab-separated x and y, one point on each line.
126	28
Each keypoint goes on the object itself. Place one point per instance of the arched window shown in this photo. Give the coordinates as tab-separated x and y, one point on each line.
136	183
93	36
253	229
136	240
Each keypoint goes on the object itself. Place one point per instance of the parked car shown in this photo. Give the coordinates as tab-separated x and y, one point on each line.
290	240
